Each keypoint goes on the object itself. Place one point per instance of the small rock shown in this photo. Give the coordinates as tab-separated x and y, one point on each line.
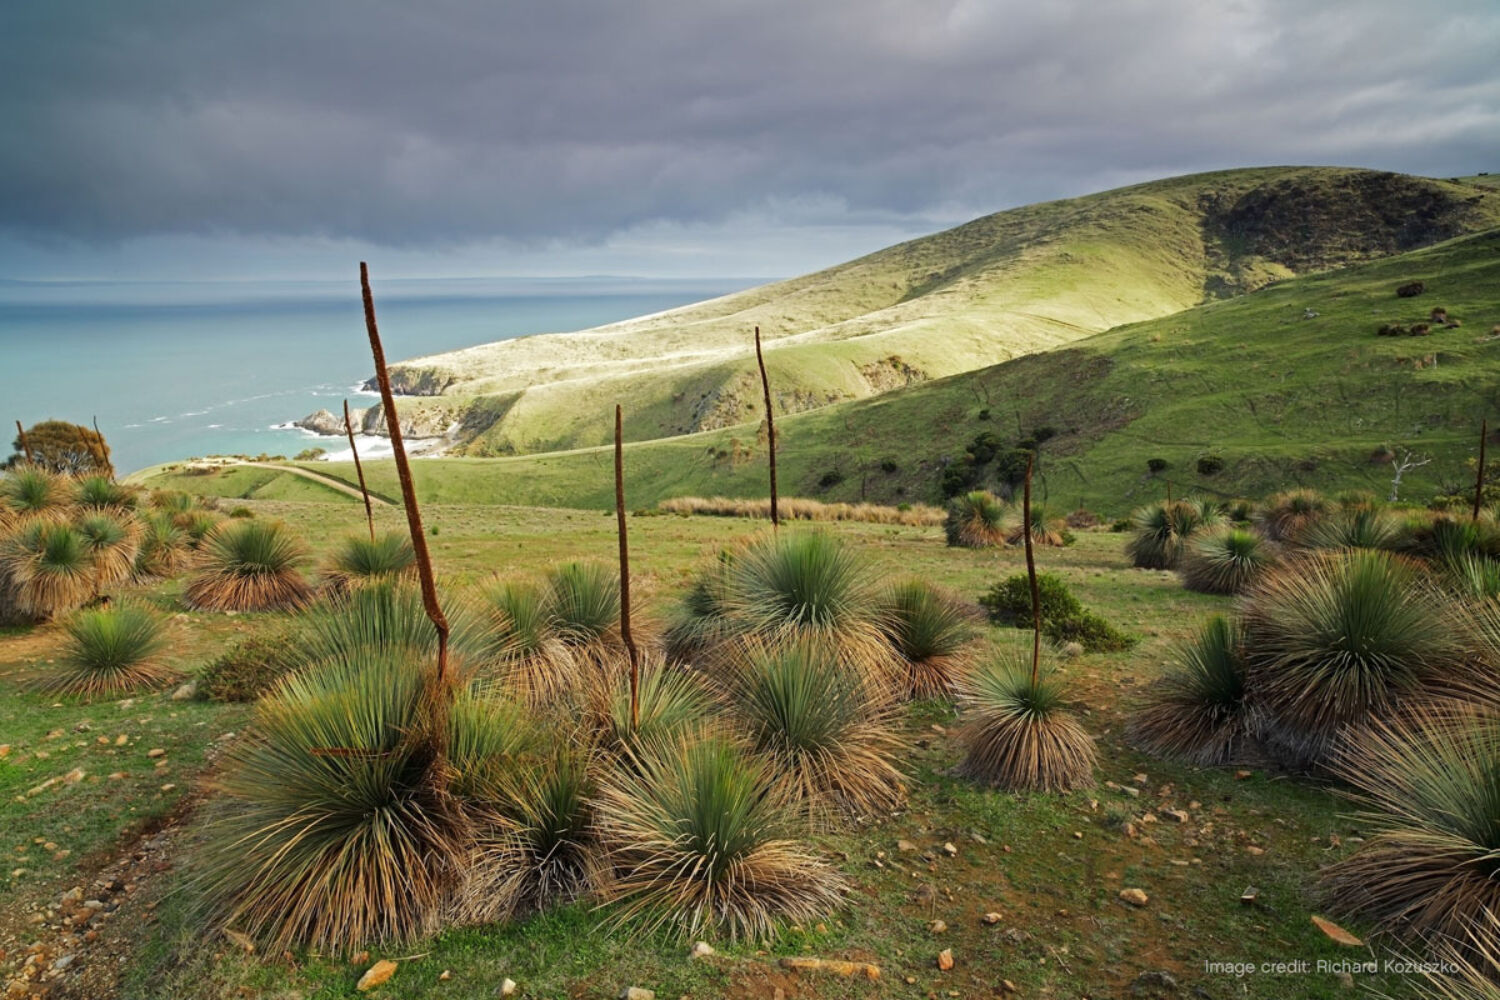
74	776
155	752
945	959
936	927
121	740
991	918
1242	775
1254	851
1135	897
1139	779
507	987
950	850
375	975
62	962
186	692
905	845
702	949
444	976
636	993
1009	987
1072	650
1154	981
1177	815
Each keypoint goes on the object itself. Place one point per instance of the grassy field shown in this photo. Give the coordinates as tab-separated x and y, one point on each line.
1052	866
1005	285
1287	385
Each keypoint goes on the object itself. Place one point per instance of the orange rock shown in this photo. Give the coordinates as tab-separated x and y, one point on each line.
945	959
375	975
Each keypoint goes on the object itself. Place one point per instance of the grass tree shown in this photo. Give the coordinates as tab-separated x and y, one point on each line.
1356	527
1199	712
976	520
521	644
670	702
1018	735
1289	512
109	650
1162	531
356	560
1337	636
164	549
49	568
1225	560
1429	785
113	540
829	737
29	490
700	843
249	566
1045	529
933	632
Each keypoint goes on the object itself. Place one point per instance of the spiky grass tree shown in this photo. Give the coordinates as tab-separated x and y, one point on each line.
933	632
810	587
108	650
539	845
28	491
332	831
1225	560
1447	538
1337	636
1198	712
976	520
1017	735
671	701
1161	534
583	602
521	643
1045	529
700	843
49	568
830	738
1475	577
1429	866
1356	527
358	559
1289	512
249	566
385	615
113	540
197	525
164	549
103	493
701	621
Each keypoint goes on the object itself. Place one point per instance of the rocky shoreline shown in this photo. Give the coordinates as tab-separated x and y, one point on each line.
431	427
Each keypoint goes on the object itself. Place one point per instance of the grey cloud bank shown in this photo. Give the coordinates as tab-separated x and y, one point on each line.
596	134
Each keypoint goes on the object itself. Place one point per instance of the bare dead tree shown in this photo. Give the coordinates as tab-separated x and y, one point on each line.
25	445
359	470
765	385
1484	431
1401	468
408	493
630	650
1036	592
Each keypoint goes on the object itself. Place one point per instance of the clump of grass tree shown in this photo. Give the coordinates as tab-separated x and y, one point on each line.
110	650
49	568
700	844
249	566
976	520
1225	560
1199	712
1161	533
358	559
1286	514
933	632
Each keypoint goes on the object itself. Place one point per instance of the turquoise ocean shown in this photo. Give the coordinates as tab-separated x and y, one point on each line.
173	371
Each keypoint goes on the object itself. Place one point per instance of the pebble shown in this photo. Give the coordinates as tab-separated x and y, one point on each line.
1135	897
950	850
937	927
945	959
507	987
702	949
991	918
155	752
637	993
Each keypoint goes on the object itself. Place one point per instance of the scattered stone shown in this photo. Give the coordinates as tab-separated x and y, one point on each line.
945	959
1255	851
186	692
905	846
1009	987
839	967
991	918
507	987
1139	778
156	752
637	993
1154	981
702	949
62	962
444	976
1135	897
4	750
936	927
121	740
950	850
375	975
1178	815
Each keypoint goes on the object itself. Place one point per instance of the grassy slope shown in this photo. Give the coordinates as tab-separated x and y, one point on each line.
1281	398
1052	865
1001	286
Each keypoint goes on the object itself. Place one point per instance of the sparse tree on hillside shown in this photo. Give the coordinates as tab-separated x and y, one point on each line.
59	446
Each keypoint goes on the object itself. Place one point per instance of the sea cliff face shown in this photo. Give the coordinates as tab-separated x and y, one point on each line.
408	380
428	422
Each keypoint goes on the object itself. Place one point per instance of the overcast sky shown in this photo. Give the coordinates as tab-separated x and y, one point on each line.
200	138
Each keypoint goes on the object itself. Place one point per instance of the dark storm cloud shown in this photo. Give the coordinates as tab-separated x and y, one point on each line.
454	120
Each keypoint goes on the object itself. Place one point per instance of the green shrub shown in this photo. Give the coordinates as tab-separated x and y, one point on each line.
1064	619
248	669
1210	465
1155	466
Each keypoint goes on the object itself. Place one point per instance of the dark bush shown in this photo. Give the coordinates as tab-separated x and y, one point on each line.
1121	526
1082	518
1043	434
1063	618
1411	289
1210	465
888	466
983	414
1421	330
984	447
1156	465
1391	330
830	478
248	669
1010	467
1438	314
957	478
242	512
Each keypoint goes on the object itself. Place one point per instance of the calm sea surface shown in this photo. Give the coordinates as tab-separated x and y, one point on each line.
178	370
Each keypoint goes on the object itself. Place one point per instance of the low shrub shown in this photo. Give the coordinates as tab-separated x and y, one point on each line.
1064	619
248	669
1210	465
1156	465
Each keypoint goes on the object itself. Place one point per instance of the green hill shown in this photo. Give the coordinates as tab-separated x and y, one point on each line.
1278	394
1003	286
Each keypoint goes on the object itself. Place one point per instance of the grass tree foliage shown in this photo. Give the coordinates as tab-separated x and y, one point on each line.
1199	711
